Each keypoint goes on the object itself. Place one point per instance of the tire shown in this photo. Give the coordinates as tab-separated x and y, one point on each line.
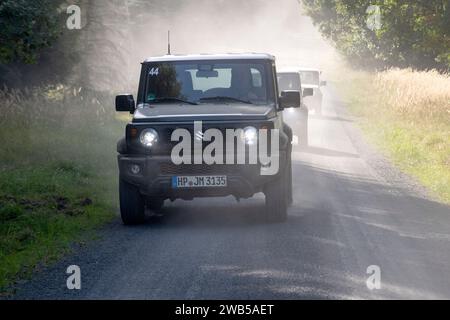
154	203
276	199
290	195
132	209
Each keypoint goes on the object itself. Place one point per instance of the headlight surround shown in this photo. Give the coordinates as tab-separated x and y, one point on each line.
250	135
149	137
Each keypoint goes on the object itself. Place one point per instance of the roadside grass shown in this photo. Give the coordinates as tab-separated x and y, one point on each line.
57	174
406	114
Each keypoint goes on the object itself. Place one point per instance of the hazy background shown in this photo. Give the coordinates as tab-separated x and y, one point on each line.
199	26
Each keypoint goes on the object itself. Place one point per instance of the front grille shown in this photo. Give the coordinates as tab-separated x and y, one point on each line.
165	145
168	145
192	169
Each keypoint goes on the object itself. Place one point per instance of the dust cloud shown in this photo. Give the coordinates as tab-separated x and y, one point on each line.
200	26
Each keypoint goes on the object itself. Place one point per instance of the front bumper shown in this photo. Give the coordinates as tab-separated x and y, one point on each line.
156	172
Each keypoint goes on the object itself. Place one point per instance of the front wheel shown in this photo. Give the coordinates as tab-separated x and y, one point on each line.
276	199
290	191
132	205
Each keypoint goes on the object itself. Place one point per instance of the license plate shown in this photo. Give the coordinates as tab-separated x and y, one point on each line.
199	181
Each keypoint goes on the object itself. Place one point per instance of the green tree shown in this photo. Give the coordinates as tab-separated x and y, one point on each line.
26	27
412	34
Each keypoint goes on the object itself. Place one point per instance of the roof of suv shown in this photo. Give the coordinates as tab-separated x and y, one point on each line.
295	69
224	56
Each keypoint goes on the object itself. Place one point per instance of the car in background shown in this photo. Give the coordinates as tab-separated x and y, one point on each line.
290	79
311	78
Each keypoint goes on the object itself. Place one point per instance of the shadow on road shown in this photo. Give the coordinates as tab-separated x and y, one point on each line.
219	249
212	213
325	247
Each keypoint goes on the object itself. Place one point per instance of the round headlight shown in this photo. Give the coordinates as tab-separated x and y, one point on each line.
149	137
250	135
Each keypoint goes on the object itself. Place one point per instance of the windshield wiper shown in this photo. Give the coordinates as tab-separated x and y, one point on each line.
226	98
172	99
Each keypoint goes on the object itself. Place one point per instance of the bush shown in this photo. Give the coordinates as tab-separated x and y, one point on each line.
413	33
9	212
26	27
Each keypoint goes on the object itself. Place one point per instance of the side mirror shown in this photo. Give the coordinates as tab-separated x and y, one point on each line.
308	92
323	83
290	99
125	103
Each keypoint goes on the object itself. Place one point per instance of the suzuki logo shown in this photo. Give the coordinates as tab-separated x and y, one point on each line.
199	135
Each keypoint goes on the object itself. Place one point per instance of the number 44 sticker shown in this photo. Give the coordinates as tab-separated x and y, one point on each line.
154	71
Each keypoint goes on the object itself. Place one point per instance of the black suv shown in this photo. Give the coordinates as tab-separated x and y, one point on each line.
185	106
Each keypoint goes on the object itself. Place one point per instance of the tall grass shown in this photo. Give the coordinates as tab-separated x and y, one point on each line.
424	95
58	105
407	114
57	172
56	123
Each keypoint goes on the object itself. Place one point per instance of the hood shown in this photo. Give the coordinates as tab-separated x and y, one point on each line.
215	111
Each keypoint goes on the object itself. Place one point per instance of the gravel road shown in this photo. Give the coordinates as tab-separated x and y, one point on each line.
351	210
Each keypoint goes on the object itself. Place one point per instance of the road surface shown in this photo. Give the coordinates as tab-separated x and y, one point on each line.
351	210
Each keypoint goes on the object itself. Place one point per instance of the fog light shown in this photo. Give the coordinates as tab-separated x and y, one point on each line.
135	169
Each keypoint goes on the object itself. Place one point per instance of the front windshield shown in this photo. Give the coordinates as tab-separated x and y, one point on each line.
310	77
288	81
218	81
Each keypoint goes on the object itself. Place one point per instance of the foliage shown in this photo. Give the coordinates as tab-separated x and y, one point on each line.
412	34
26	27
